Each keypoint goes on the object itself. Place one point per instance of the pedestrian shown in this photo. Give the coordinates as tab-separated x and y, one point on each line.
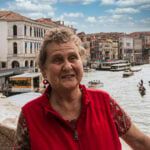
69	116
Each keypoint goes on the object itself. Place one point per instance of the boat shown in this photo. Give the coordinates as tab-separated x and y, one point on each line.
135	69
87	69
120	67
108	65
142	90
127	73
95	84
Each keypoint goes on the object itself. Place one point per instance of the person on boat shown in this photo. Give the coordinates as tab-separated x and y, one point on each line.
141	82
142	89
69	116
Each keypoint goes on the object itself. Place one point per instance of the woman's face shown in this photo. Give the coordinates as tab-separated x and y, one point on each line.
63	68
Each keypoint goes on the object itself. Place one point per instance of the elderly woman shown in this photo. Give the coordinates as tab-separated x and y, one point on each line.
69	116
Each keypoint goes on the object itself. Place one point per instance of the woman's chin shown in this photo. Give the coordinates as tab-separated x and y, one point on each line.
70	85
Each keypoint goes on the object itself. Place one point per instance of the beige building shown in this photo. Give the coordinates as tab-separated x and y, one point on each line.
126	48
109	49
20	39
137	45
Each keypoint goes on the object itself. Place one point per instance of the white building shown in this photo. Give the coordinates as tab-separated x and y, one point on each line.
20	39
126	48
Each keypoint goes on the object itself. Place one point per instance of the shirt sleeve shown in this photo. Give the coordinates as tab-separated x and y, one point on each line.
120	117
22	136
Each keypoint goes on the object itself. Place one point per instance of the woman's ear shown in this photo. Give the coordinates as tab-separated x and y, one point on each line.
43	72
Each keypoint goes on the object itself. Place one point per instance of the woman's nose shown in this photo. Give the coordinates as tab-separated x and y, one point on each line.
67	65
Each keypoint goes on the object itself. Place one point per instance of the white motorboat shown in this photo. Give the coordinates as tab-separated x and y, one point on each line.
127	73
135	69
95	84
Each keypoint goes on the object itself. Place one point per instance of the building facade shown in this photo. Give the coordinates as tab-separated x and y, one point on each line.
21	38
126	48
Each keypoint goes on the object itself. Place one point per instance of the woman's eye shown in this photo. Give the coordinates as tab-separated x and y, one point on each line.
73	57
57	60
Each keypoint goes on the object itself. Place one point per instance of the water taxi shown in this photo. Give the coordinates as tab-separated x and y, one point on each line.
120	67
108	65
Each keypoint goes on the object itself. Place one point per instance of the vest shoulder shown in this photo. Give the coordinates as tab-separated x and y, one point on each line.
34	102
98	92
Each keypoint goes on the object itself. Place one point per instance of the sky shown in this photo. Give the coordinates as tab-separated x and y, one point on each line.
89	16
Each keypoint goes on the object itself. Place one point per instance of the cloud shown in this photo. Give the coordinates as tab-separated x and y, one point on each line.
91	19
145	21
107	2
125	2
73	15
84	2
33	8
145	7
124	11
67	22
132	2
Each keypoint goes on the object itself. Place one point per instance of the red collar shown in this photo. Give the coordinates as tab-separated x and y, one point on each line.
47	106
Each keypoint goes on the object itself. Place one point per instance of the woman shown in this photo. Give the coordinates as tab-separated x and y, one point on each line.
68	116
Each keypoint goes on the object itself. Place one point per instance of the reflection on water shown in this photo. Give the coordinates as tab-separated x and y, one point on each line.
125	91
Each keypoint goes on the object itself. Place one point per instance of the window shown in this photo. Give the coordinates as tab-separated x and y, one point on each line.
31	63
26	63
15	48
25	30
30	31
3	64
30	47
35	46
14	30
128	44
25	48
15	64
35	35
37	32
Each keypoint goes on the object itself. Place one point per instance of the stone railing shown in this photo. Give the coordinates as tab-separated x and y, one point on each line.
8	122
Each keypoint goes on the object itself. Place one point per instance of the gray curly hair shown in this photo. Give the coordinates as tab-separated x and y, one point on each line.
58	35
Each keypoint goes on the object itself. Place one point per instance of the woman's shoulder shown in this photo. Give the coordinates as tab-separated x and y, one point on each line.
98	92
35	102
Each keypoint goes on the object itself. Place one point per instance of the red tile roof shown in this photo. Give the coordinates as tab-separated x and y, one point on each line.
47	21
12	16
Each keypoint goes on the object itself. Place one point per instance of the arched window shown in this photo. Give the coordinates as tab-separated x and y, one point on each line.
25	30
42	32
35	32
15	64
26	63
25	47
15	48
31	63
31	47
14	30
30	31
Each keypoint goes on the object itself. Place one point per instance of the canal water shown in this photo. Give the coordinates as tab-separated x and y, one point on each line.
125	91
